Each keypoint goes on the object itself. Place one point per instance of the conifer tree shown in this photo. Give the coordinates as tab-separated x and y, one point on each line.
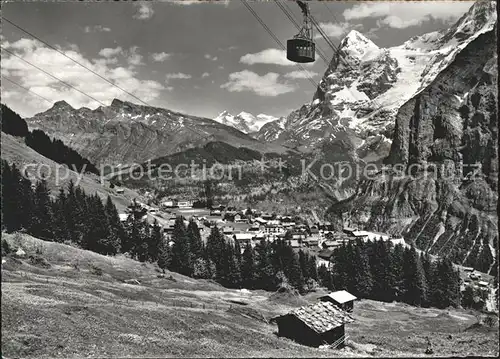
181	256
265	273
42	226
396	272
11	213
325	277
248	270
61	232
380	265
115	230
415	287
156	238
215	248
195	242
312	268
362	278
164	255
294	273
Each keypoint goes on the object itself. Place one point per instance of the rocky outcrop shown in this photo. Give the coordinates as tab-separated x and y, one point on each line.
365	85
439	186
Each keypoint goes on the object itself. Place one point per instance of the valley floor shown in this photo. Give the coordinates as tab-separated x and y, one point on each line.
66	302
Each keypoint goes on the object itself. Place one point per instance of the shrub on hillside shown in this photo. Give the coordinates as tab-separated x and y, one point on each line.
6	248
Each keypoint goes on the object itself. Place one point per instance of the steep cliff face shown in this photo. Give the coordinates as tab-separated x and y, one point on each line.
439	186
365	85
125	132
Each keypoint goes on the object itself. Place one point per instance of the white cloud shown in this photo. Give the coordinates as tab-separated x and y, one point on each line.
334	30
300	74
210	57
28	76
109	52
145	10
134	58
177	76
268	56
205	74
266	85
96	28
160	56
401	15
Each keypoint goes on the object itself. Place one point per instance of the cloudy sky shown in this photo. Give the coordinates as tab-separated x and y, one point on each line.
194	57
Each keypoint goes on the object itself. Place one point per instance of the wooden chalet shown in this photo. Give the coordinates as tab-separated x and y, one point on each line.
341	298
314	325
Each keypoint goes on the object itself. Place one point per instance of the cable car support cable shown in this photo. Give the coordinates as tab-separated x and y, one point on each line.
270	32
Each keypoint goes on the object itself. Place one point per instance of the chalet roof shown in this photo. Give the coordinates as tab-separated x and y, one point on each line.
341	296
243	236
321	316
325	254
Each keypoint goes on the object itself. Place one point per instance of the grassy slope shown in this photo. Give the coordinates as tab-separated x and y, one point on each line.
14	150
63	309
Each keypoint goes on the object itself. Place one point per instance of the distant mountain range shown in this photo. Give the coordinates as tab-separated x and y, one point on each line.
244	121
125	132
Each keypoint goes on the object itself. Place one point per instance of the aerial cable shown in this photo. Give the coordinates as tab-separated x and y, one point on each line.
92	71
49	74
270	32
27	89
292	19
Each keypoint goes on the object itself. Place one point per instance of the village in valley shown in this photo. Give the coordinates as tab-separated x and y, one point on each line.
251	226
146	214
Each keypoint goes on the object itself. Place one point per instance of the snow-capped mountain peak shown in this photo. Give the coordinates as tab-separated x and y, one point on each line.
357	45
365	85
244	121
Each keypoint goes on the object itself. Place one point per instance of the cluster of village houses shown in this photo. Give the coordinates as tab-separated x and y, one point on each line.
250	226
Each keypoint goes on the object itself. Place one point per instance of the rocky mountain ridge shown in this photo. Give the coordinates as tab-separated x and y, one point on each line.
125	132
439	188
365	85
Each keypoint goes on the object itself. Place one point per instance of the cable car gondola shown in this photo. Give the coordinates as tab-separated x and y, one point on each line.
301	48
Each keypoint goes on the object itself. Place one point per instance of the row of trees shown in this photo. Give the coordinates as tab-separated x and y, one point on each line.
56	150
264	267
381	271
375	270
77	218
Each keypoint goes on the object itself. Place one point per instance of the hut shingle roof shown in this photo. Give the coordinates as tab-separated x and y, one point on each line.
321	316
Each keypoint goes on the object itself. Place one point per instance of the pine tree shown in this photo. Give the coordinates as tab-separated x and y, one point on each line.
248	270
325	277
396	272
294	273
312	269
362	278
61	233
304	263
265	273
11	213
215	248
415	287
42	226
156	238
201	269
231	275
195	242
164	255
115	230
181	256
380	265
